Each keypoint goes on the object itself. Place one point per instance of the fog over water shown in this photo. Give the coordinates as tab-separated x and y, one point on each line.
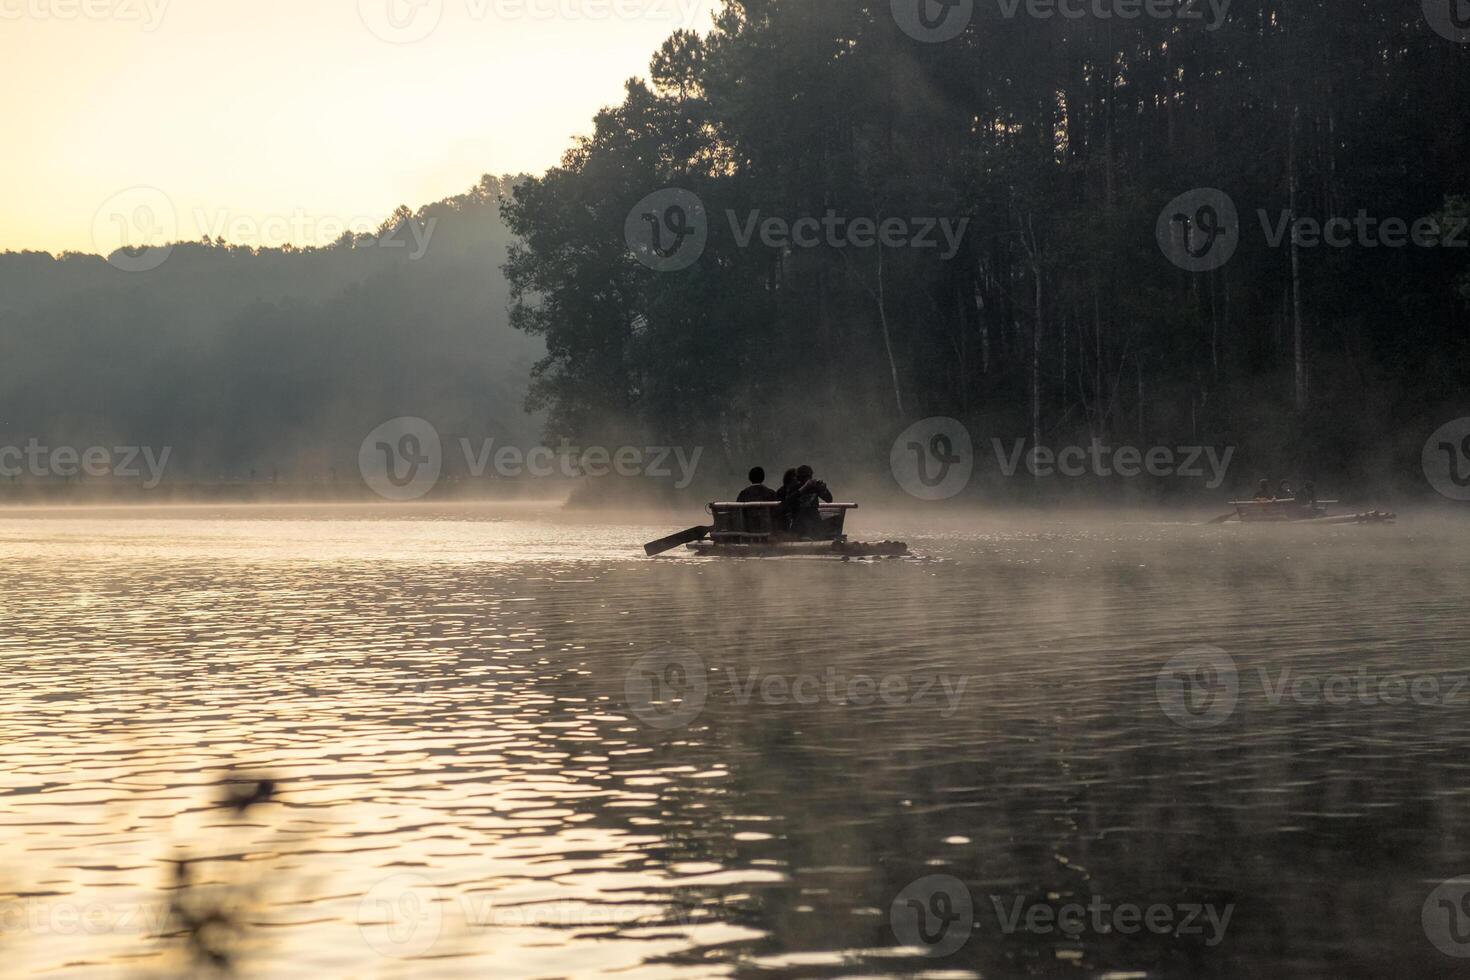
465	775
370	604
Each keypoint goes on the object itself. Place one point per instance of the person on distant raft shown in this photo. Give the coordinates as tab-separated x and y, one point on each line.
757	491
804	501
1284	492
1309	492
1263	490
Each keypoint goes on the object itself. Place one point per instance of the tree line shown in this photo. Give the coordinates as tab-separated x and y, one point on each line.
263	364
1064	314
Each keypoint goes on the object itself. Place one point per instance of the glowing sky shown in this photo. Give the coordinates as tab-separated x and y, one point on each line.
278	119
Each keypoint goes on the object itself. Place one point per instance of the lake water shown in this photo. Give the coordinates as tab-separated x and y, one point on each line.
503	743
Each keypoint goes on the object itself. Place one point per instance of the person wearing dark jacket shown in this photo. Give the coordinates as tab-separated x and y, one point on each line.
786	489
757	491
788	484
802	503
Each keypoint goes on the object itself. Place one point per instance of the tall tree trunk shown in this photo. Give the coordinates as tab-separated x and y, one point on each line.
962	347
1214	330
984	328
1299	354
1138	363
1062	335
877	298
1097	351
1109	183
887	341
1036	365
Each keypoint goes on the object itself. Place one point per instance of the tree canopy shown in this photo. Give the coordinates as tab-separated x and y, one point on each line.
1059	317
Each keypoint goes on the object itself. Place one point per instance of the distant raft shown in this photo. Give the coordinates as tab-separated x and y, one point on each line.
1295	511
753	530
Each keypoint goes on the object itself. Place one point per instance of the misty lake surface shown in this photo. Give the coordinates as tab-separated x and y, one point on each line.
504	743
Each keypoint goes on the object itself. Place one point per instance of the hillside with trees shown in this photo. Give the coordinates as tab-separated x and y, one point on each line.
270	364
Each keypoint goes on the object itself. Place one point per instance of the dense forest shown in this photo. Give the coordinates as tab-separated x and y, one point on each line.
257	365
1090	239
1068	311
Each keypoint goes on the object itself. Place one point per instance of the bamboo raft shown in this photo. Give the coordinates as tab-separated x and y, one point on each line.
753	530
818	549
1295	511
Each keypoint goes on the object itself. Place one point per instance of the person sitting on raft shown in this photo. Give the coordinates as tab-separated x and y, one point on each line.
802	504
757	492
788	484
1263	490
786	489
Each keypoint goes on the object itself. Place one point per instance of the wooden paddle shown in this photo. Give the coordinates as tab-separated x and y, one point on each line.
674	540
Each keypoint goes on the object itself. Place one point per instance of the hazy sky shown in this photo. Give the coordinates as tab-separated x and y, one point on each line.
287	119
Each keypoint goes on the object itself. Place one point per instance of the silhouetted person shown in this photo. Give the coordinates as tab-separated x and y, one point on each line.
757	491
1284	492
1309	492
1263	490
788	484
786	489
802	503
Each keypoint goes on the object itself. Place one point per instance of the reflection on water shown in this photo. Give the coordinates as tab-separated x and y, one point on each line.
509	745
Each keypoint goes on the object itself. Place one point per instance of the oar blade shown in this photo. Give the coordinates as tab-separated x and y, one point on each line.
674	540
